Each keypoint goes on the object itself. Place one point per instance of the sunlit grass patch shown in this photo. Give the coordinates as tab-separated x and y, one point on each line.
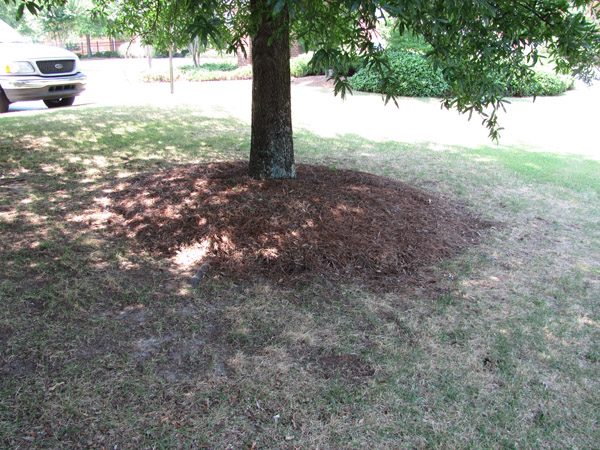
574	172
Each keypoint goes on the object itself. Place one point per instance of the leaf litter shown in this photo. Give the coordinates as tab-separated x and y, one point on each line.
340	225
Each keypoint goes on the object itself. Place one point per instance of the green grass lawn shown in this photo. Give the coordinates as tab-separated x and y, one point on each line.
103	346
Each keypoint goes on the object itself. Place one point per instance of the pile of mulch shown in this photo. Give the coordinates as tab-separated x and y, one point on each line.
337	224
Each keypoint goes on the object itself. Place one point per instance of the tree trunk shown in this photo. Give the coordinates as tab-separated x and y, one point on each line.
195	50
171	70
148	50
88	43
271	146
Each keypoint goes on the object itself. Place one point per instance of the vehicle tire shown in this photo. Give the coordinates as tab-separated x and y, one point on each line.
3	102
67	101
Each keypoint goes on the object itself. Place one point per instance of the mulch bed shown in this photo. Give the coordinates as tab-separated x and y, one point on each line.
335	224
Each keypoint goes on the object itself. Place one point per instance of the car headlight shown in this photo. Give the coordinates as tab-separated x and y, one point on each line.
18	67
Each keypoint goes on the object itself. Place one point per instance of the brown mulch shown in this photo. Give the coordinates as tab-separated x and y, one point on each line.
337	224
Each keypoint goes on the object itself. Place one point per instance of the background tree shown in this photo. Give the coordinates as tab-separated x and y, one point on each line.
63	22
92	25
59	22
163	24
469	40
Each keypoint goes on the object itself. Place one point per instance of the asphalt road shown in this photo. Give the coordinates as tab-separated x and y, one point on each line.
565	124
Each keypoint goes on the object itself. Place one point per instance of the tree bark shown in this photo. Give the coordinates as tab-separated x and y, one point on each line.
88	43
171	80
271	146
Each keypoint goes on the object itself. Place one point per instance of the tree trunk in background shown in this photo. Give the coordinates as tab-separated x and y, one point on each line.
271	147
88	43
171	70
196	50
148	50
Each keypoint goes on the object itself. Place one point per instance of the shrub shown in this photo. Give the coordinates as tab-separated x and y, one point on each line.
536	83
106	54
413	76
539	84
159	77
407	41
210	67
165	53
300	67
241	73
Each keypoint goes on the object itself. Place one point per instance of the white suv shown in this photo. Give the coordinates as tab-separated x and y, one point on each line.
36	72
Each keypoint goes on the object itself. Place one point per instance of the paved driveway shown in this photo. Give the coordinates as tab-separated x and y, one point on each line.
559	124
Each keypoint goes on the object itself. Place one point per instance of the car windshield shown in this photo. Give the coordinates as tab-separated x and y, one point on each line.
8	34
